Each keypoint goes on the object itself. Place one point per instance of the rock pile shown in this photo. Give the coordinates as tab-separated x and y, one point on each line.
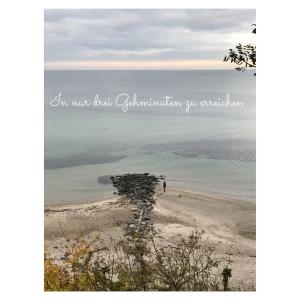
139	190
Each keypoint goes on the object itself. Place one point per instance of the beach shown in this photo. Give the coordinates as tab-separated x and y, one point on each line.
229	225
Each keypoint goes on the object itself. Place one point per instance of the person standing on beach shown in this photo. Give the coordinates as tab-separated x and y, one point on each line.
164	185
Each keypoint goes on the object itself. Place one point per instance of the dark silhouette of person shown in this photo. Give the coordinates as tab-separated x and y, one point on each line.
164	185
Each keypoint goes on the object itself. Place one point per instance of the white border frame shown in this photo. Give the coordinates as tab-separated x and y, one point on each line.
22	146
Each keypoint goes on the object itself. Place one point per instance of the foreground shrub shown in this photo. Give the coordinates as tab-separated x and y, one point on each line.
136	264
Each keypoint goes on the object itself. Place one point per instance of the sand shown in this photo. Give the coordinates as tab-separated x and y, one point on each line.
229	225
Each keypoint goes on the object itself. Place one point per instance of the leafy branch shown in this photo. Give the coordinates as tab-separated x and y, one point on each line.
243	55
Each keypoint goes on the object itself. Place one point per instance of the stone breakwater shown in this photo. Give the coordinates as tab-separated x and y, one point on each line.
139	191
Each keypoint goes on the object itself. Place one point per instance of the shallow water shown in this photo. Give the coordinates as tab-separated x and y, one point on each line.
210	150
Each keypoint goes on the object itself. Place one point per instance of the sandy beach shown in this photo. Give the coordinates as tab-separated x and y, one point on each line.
229	225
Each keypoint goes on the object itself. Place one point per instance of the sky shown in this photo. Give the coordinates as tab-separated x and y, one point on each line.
144	39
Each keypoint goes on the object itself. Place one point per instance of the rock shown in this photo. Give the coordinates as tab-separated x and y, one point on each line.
106	179
139	190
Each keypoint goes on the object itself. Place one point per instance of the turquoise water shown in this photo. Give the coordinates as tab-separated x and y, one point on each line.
210	150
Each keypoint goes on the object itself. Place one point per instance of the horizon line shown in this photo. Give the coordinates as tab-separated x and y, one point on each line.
141	69
138	65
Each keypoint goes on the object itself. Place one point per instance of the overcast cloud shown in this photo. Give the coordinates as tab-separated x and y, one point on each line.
144	35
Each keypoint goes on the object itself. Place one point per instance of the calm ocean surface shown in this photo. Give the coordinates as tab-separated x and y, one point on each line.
211	149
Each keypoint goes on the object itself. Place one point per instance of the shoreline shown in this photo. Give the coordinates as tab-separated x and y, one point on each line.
229	224
211	195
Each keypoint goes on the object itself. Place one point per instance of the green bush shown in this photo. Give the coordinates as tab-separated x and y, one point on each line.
138	264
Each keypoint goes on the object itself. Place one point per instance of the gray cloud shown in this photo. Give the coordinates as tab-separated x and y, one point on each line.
143	34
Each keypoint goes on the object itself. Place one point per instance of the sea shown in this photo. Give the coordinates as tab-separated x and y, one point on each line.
209	149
